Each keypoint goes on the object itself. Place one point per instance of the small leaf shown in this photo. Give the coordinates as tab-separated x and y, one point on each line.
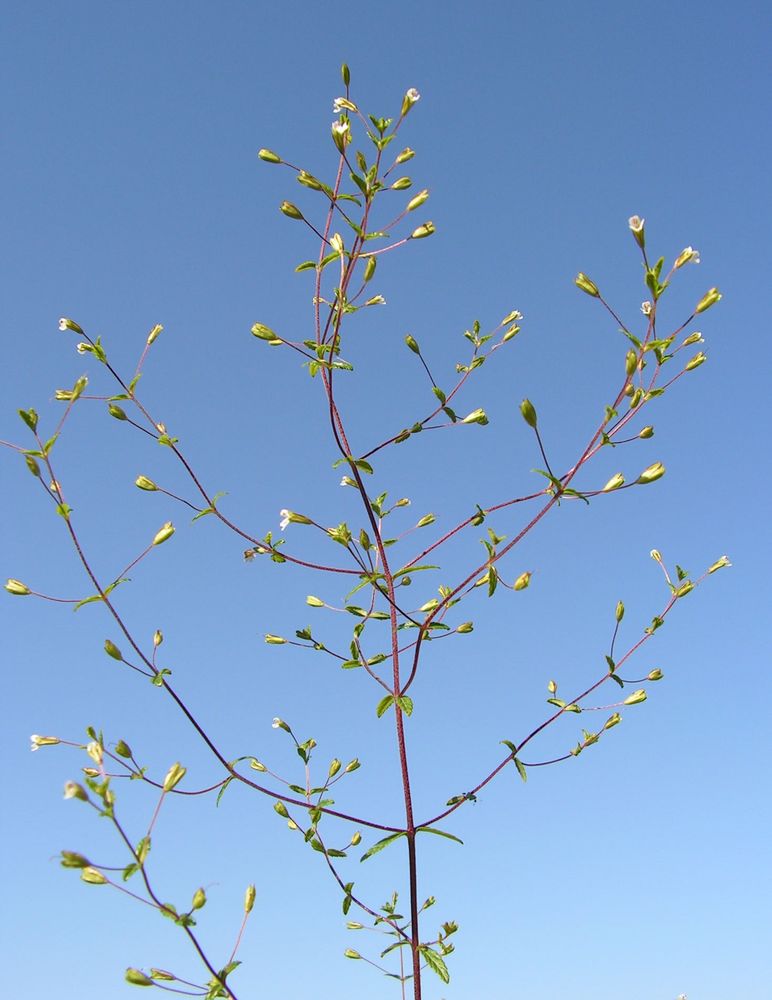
384	704
381	844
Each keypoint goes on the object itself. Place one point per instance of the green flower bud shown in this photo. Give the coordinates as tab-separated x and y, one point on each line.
522	581
314	602
92	875
529	413
613	720
646	432
427	229
112	650
353	765
655	675
693	338
335	766
418	200
345	73
401	184
465	628
116	411
689	255
17	588
137	978
583	282
631	362
620	611
199	899
405	155
72	790
477	416
723	561
309	181
372	263
174	776
636	398
351	953
71	859
162	975
143	483
290	210
510	333
696	361
265	333
686	588
710	298
123	749
158	638
274	640
249	898
281	809
256	765
635	698
164	534
412	344
154	333
652	473
426	520
356	838
614	483
43	741
552	687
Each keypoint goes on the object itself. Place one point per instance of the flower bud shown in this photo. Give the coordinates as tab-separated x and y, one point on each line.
696	361
290	210
17	588
465	628
274	640
646	432
137	978
477	416
613	720
427	229
116	411
405	155
693	338
112	650
345	73
635	698
72	790
631	362
335	766
249	898
264	332
70	324
719	564
268	156
336	243
528	412
257	765
656	555
522	581
199	899
314	602
158	638
652	473
154	334
351	953
655	675
418	200
412	343
583	282
710	298
163	975
552	687
71	859
123	749
341	134
401	184
174	776
620	611
280	724
614	483
353	765
636	228
95	751
164	534
370	266
356	838
281	809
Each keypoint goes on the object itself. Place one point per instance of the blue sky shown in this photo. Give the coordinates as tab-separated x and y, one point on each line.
133	196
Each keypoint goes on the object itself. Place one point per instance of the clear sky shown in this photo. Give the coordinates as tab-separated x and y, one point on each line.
132	195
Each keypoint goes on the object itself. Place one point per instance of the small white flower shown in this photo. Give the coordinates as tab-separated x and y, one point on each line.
635	223
285	519
343	104
687	256
412	95
376	300
43	741
340	128
83	348
646	308
347	481
63	324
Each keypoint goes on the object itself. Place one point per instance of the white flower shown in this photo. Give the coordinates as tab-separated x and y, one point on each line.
687	256
646	308
376	300
347	481
412	95
343	104
63	324
43	741
285	519
84	348
340	128
635	223
276	723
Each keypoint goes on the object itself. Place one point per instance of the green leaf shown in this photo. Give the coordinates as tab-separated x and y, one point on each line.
521	769
406	704
384	704
435	962
438	833
30	418
381	844
222	790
